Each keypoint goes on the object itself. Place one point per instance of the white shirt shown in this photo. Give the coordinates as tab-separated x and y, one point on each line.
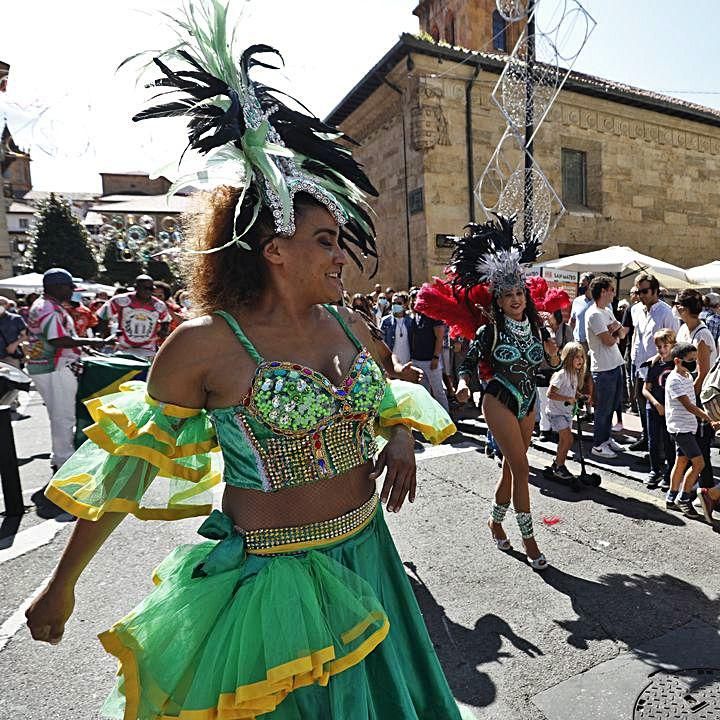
677	418
401	348
701	334
647	323
565	383
602	357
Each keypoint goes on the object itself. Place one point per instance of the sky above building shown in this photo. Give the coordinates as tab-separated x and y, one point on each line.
67	103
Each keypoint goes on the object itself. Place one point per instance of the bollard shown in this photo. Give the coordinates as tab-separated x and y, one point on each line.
12	492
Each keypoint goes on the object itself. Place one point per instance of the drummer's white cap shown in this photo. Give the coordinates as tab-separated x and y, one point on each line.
58	276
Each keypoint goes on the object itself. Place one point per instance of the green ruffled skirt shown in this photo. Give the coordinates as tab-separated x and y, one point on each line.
331	633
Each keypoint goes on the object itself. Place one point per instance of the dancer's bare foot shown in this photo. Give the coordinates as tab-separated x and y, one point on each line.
498	535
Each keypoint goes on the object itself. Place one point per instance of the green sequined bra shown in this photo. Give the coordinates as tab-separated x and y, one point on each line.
294	426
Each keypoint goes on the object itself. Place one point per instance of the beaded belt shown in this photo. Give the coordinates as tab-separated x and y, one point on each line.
267	541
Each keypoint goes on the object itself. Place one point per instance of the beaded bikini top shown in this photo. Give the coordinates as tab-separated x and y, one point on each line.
294	426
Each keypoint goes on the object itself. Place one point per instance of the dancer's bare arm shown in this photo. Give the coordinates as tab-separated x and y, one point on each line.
174	380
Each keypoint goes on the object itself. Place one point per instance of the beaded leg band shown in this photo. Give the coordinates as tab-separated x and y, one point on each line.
524	521
497	513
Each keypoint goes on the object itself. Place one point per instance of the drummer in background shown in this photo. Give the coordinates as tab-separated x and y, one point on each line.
13	333
99	300
142	320
54	347
162	291
82	316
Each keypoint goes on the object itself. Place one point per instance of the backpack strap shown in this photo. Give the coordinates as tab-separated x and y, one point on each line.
240	335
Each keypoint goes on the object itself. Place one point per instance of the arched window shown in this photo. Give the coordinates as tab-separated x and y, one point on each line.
435	33
499	31
450	28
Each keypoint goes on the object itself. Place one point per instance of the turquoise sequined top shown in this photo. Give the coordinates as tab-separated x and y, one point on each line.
294	426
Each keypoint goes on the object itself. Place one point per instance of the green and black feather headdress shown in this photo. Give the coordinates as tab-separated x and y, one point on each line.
251	139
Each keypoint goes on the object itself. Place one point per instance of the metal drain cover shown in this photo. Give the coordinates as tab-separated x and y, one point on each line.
692	694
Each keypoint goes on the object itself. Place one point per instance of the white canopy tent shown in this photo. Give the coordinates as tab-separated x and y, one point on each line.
32	282
624	261
706	275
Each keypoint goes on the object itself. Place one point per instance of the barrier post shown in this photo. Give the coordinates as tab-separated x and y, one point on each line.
9	474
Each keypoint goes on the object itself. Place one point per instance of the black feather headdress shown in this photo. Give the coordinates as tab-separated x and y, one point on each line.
488	254
249	137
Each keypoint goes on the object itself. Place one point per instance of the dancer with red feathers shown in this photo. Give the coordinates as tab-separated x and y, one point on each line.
488	298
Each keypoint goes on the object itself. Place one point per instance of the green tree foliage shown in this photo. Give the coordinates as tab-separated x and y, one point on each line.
59	240
118	270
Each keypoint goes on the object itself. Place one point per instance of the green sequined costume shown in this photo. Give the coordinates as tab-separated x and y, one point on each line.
316	621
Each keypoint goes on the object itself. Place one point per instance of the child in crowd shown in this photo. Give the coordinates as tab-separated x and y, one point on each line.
681	416
562	394
660	444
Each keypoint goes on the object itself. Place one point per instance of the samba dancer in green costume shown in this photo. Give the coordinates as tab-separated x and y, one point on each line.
297	606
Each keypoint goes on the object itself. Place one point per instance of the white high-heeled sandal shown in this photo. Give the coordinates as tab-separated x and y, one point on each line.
539	563
524	521
501	543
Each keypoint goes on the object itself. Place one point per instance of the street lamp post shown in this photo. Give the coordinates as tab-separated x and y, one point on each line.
529	122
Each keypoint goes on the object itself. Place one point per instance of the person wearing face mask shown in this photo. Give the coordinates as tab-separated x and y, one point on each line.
397	329
382	308
689	304
13	332
681	418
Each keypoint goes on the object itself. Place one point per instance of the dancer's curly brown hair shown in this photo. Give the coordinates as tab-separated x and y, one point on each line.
231	277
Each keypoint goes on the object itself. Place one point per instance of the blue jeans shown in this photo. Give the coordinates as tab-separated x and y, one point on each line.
660	444
608	395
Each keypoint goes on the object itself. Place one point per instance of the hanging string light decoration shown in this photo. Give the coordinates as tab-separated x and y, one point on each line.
513	183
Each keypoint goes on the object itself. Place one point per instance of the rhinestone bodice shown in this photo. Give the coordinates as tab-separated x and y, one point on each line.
294	426
291	398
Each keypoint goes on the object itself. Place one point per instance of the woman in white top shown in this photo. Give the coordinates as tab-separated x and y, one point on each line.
689	304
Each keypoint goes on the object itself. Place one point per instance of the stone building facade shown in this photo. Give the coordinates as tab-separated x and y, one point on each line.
650	164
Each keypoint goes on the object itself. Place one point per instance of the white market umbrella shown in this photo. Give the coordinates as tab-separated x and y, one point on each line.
706	275
615	259
31	282
620	259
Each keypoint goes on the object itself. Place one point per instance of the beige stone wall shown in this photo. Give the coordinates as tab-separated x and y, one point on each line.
121	184
377	125
652	178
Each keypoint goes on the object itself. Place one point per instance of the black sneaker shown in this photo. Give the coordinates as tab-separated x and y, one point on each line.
671	505
664	485
640	444
687	508
652	480
563	473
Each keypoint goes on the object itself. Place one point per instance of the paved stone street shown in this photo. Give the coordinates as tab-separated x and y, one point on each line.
632	588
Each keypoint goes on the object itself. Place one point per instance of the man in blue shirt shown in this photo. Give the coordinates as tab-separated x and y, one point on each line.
712	320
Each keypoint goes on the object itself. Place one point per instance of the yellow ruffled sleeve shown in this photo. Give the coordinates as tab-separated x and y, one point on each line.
136	442
412	405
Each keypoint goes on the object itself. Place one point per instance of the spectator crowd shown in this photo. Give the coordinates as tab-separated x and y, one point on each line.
650	354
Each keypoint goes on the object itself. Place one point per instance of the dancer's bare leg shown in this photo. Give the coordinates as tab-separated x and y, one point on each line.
513	437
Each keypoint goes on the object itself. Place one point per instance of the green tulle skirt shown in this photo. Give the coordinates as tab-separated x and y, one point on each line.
331	633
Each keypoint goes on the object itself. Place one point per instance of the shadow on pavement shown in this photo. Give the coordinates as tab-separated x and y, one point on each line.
629	507
630	608
36	456
460	649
